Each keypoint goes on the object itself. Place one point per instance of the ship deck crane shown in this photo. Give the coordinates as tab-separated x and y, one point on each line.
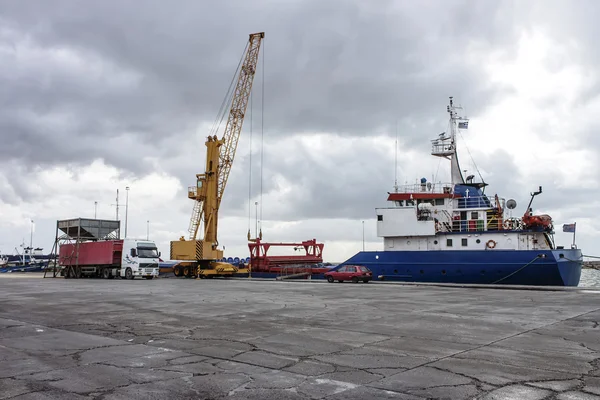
200	257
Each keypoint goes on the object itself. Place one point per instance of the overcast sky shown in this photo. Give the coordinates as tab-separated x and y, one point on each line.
100	95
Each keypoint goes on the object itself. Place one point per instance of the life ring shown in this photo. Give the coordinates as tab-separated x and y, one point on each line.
490	244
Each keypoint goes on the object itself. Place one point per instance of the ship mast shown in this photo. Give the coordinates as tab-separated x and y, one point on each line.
445	146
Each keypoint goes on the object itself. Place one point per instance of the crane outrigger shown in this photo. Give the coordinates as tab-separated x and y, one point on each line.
200	257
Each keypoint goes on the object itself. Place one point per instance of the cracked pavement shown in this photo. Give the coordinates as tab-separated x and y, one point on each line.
238	339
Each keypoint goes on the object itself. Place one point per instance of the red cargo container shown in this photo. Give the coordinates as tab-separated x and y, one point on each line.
101	253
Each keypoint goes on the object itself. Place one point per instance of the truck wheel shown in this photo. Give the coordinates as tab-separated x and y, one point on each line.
177	271
106	273
128	273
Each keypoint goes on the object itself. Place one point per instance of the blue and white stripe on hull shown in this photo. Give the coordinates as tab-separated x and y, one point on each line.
512	267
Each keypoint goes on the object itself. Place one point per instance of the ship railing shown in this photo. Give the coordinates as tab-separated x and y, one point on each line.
444	223
426	187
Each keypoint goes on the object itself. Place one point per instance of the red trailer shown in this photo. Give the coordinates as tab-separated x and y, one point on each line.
106	253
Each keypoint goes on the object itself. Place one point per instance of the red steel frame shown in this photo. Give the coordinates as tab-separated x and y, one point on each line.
260	261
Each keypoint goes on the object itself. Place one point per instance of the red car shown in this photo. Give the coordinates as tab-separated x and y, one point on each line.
352	273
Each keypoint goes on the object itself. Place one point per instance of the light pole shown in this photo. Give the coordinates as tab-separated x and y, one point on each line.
148	230
95	208
31	236
256	206
126	208
363	225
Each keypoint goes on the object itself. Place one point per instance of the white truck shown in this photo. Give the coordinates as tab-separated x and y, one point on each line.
125	258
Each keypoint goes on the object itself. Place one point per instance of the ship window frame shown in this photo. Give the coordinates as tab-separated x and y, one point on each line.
448	242
439	202
464	242
379	217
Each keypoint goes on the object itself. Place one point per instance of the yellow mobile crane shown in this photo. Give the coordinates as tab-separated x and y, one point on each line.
201	257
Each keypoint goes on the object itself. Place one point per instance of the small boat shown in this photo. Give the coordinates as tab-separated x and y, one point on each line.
31	260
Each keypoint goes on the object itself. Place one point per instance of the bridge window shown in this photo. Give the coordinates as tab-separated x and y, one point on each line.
439	202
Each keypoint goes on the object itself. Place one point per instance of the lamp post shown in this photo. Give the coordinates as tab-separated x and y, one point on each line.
256	212
31	236
95	208
363	226
126	208
148	230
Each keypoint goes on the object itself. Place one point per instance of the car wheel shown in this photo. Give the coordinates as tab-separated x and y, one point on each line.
330	279
354	279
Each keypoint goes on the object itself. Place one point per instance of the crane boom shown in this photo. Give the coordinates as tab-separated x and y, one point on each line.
239	105
210	185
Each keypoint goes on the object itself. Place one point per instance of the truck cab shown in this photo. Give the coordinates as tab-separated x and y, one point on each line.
139	258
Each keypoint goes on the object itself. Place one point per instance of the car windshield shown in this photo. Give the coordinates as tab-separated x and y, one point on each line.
147	252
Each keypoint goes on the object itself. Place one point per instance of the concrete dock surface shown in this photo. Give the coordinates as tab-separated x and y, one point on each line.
240	339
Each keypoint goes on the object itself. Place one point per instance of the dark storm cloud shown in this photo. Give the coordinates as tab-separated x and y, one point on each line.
122	82
344	67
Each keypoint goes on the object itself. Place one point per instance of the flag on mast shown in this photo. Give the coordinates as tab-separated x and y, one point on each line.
569	227
463	125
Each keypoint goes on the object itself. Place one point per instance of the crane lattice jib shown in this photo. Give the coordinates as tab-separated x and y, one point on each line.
237	111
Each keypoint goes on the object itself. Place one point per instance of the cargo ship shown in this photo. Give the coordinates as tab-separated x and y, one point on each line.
454	233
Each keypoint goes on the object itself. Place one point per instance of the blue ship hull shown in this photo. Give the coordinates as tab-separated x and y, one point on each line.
560	267
511	267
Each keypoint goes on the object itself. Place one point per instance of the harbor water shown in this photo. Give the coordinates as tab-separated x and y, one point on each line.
589	277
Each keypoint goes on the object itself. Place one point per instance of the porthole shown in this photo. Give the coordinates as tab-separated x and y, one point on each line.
443	272
478	241
435	242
